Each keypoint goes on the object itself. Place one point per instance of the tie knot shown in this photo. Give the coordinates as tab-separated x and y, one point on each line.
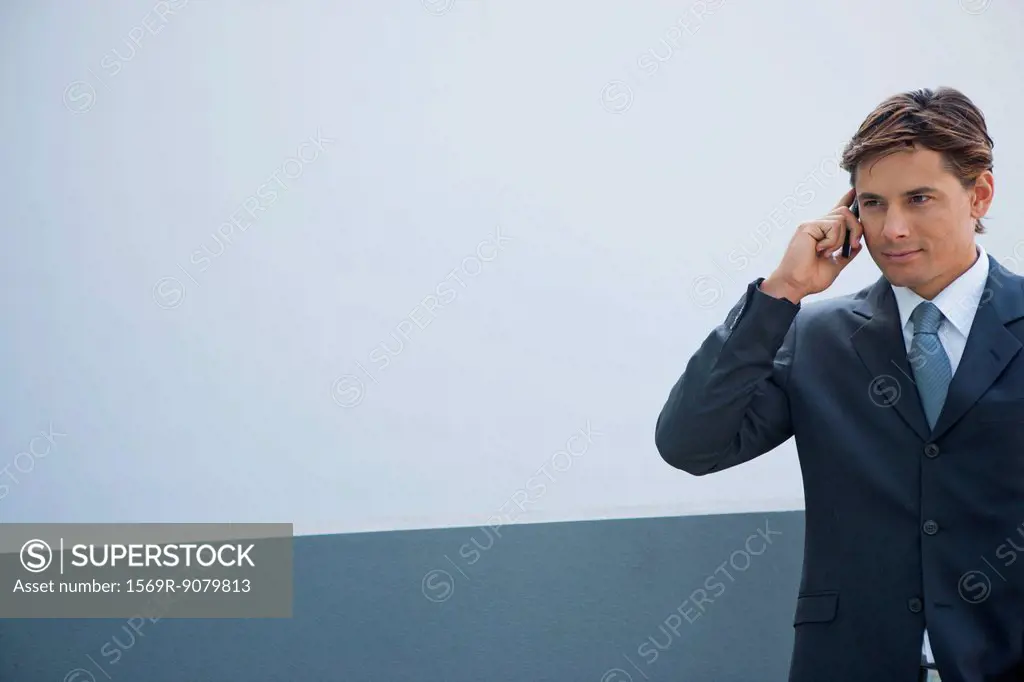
926	318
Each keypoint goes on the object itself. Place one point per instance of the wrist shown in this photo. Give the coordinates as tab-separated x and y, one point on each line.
777	287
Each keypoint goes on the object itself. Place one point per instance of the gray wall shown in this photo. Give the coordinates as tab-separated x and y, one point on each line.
589	601
363	266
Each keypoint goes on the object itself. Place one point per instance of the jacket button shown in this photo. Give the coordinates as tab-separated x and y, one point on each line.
931	450
915	605
930	527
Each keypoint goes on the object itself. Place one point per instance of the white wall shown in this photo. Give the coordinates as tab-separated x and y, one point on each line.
621	184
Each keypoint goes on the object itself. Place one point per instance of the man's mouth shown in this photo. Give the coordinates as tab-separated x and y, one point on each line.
901	255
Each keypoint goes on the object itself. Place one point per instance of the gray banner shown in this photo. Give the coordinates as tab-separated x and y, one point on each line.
146	570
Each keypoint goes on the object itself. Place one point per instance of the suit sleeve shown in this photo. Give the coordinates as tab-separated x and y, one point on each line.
730	405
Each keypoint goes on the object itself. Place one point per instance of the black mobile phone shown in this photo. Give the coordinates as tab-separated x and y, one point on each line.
855	209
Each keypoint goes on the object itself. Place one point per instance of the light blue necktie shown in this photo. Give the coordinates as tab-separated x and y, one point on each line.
929	360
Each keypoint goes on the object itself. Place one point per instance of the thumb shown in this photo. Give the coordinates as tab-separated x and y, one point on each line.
836	263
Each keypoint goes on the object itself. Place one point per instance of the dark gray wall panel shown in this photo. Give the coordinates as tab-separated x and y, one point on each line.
595	601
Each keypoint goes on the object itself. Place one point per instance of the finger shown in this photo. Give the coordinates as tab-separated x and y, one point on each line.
847	198
829	234
853	226
847	224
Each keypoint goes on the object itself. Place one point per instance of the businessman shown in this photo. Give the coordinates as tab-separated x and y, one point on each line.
906	402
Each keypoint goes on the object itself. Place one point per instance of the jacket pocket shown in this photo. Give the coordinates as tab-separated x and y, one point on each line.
816	607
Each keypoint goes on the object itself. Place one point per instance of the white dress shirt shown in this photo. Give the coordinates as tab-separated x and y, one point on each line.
958	303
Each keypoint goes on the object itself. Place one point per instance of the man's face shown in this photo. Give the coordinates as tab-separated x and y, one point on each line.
918	219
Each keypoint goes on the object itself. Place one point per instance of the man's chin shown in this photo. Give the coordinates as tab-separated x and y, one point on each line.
901	278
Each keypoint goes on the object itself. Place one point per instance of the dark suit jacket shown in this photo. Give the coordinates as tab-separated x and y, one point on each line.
904	525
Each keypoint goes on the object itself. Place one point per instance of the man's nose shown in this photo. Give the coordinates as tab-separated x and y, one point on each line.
895	226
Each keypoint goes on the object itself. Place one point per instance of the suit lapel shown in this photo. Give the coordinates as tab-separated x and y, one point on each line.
990	345
879	343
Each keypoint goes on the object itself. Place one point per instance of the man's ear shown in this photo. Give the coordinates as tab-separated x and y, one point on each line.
982	194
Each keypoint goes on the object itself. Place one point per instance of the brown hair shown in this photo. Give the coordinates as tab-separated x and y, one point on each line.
943	120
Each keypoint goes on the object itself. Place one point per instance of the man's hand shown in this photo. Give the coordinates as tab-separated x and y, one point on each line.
811	264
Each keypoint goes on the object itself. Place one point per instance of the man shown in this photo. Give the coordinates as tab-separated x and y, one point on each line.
906	401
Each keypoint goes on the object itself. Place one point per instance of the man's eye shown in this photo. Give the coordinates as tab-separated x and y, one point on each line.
924	198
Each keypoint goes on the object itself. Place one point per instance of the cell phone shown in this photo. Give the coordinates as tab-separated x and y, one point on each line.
855	209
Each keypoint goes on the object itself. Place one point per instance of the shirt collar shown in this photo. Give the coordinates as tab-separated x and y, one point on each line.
958	301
